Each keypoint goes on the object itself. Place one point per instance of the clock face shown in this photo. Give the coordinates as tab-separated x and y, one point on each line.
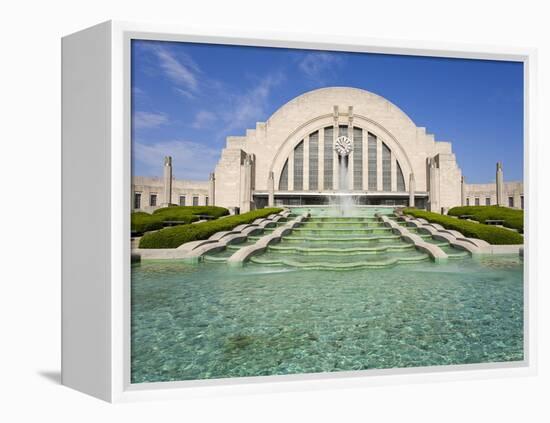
342	145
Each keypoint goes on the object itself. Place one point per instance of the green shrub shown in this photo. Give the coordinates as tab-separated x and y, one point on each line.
492	234
175	212
178	235
142	222
513	218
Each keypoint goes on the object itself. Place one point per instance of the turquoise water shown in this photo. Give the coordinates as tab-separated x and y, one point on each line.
212	321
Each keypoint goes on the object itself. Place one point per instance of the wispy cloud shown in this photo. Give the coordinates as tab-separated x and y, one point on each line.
251	106
320	66
180	68
149	120
191	160
203	118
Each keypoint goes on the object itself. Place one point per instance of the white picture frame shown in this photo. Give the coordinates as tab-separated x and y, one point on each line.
96	189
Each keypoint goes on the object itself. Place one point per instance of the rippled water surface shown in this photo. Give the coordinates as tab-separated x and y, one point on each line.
212	321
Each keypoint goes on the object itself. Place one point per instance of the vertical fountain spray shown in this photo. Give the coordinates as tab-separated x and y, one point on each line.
344	199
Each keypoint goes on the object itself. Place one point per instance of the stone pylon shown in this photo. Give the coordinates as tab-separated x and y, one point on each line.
167	181
433	185
271	190
412	189
462	191
212	189
500	185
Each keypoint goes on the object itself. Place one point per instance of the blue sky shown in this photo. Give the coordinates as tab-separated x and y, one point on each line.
187	98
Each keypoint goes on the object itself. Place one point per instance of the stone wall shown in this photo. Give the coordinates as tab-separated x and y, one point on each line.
147	186
488	193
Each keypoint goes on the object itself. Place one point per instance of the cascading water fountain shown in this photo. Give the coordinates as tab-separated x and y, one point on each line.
342	237
343	202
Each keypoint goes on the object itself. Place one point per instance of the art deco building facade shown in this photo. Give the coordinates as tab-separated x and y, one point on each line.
335	142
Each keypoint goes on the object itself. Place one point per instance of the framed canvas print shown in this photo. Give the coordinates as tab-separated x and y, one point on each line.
246	213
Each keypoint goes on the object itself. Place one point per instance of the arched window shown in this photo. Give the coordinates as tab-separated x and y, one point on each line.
328	162
314	161
357	159
400	178
372	162
299	166
363	161
283	181
386	168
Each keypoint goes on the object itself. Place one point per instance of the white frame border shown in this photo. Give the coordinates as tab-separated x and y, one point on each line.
121	389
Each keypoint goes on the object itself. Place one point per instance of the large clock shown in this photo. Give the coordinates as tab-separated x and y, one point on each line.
342	145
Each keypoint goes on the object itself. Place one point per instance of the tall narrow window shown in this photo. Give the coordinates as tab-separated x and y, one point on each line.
342	131
137	200
386	168
510	201
299	167
477	201
153	200
182	200
328	162
357	159
205	201
467	201
314	161
283	180
400	178
487	201
522	203
372	153
195	201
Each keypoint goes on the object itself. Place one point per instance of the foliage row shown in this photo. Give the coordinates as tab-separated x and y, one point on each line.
142	222
492	234
175	236
513	218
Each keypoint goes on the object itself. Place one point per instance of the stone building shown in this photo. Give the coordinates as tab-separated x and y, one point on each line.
151	193
329	143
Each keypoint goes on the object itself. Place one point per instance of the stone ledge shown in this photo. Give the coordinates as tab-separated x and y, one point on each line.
456	239
242	255
192	251
436	253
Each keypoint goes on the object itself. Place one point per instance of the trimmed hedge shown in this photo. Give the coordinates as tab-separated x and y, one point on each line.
178	235
176	212
492	234
142	222
513	218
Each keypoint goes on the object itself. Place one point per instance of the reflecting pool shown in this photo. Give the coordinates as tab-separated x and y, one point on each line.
213	321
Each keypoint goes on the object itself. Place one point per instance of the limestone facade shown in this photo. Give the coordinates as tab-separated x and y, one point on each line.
295	147
326	143
148	193
486	195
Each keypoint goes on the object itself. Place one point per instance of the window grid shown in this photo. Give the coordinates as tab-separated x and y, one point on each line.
327	173
182	200
477	201
153	200
283	181
510	201
195	201
299	167
314	161
488	201
137	200
400	178
386	168
357	159
372	153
